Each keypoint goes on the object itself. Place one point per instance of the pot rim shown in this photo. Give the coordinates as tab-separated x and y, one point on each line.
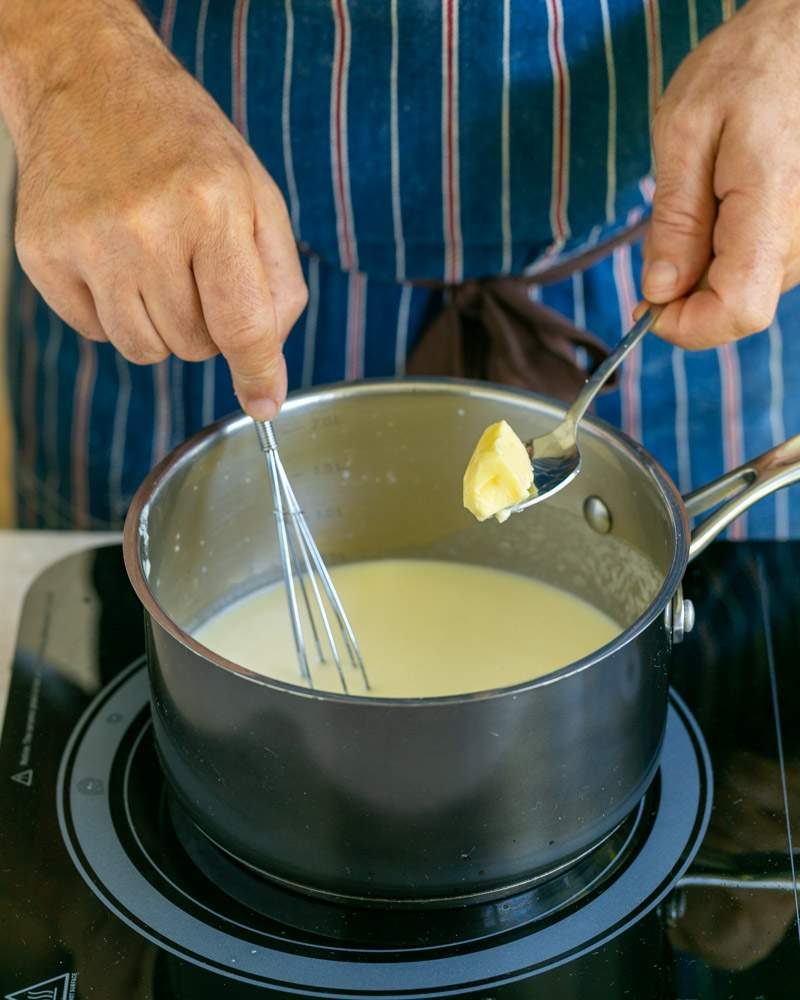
185	453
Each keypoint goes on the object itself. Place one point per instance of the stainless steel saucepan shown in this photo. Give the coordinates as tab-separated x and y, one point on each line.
431	798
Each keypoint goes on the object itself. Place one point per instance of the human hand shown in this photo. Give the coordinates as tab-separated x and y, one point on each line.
726	140
143	217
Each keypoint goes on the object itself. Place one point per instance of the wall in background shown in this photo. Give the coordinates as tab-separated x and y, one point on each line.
6	178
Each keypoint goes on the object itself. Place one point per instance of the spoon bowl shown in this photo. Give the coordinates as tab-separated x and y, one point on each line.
555	456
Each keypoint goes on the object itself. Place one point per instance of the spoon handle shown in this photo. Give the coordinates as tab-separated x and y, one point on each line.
595	383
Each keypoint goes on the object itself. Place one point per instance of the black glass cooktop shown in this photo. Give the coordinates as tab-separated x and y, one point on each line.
107	891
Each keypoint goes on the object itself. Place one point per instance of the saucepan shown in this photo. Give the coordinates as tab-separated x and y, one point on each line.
448	798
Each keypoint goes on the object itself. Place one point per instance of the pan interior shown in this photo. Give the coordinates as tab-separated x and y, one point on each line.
378	469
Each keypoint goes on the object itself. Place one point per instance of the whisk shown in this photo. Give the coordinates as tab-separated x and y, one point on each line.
304	569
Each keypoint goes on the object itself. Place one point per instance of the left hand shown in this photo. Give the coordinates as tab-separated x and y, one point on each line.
726	140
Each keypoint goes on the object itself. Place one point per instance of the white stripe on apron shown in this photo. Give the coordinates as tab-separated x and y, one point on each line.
286	130
397	211
401	335
611	149
505	132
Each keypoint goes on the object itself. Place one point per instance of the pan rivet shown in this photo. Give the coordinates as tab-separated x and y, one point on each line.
597	515
688	615
679	617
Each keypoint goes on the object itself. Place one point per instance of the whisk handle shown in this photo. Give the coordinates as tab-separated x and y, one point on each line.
266	435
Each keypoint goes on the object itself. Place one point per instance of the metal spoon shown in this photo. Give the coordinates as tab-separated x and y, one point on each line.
555	457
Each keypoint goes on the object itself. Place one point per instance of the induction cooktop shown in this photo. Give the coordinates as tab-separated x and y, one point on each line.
107	889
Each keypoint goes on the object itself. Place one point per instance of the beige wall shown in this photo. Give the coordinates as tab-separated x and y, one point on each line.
6	176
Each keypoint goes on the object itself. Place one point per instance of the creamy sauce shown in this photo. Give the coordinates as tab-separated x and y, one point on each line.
425	628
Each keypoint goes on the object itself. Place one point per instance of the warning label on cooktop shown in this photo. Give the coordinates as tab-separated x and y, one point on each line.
56	988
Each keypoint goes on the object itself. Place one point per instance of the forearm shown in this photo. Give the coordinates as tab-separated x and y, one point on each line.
44	42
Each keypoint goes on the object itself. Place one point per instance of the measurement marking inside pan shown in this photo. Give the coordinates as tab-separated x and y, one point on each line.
773	681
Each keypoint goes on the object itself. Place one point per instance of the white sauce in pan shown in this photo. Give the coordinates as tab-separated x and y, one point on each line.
425	628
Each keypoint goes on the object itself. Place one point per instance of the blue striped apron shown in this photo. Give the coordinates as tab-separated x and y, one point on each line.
419	140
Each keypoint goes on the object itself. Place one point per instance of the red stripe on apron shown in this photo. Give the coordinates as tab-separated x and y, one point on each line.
560	181
30	348
167	21
162	418
356	302
239	54
341	173
81	408
453	251
652	17
630	388
732	430
648	188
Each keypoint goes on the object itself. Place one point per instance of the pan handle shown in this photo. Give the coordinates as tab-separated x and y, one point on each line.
715	871
779	881
734	492
759	870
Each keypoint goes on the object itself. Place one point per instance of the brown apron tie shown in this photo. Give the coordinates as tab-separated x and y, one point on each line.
491	329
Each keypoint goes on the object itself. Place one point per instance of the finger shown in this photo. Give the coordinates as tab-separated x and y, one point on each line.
277	248
744	279
69	297
678	243
174	309
125	319
240	315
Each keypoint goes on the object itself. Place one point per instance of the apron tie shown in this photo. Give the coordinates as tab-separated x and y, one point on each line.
491	329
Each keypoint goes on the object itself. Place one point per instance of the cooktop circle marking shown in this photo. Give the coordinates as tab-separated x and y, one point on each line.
92	840
329	945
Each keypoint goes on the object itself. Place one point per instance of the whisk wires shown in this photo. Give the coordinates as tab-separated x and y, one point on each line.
304	569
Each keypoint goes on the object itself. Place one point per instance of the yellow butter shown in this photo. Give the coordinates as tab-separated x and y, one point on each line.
499	473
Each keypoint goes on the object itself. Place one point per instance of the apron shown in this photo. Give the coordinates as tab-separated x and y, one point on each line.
419	141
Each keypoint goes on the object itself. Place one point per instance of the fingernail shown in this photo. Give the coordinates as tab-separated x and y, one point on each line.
660	278
262	409
639	311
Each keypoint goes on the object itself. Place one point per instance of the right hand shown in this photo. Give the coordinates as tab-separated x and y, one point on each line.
145	219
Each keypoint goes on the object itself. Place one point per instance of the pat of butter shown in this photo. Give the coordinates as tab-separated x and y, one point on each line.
499	473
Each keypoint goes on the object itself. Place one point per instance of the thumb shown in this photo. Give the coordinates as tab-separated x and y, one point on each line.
678	244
